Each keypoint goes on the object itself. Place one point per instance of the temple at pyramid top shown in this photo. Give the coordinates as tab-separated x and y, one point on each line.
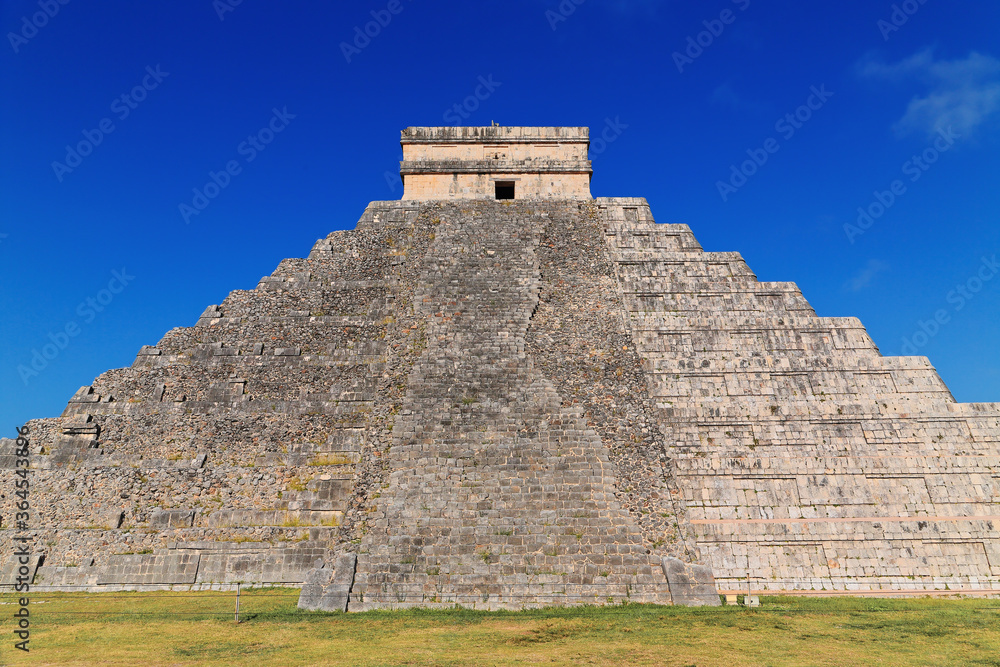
495	163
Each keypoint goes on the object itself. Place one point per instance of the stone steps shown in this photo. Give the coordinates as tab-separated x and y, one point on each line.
515	404
497	478
803	457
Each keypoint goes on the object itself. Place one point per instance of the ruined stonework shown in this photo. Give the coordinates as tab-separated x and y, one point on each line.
471	162
500	404
806	459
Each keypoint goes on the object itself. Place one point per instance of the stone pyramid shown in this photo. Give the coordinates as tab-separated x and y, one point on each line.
503	393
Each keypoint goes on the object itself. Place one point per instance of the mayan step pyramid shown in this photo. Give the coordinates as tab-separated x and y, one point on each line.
502	393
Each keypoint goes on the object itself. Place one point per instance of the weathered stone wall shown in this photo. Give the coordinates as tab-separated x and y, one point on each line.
281	430
806	459
528	185
466	162
580	340
265	424
472	144
491	405
503	493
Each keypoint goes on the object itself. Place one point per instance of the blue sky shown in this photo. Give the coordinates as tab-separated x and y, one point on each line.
765	126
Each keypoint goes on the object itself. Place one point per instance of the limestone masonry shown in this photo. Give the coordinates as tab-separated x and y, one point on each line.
495	163
501	392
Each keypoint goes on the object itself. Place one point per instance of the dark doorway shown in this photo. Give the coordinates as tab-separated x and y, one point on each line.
505	189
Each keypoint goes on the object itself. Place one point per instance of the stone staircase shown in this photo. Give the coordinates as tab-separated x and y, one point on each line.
500	494
514	404
263	424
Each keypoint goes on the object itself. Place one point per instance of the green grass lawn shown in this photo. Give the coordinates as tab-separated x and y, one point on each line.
198	628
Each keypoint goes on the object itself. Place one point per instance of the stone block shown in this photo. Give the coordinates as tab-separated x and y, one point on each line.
690	585
327	589
13	571
112	518
231	568
164	519
148	569
85	395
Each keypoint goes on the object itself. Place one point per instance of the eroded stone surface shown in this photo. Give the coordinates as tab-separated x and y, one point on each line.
505	404
467	162
329	589
806	459
502	491
690	585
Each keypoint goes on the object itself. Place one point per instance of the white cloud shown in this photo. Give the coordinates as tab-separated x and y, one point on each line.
960	93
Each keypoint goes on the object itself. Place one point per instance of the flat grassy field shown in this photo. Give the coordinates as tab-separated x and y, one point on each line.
198	629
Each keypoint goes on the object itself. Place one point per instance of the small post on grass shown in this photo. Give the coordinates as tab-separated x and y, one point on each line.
747	605
237	602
